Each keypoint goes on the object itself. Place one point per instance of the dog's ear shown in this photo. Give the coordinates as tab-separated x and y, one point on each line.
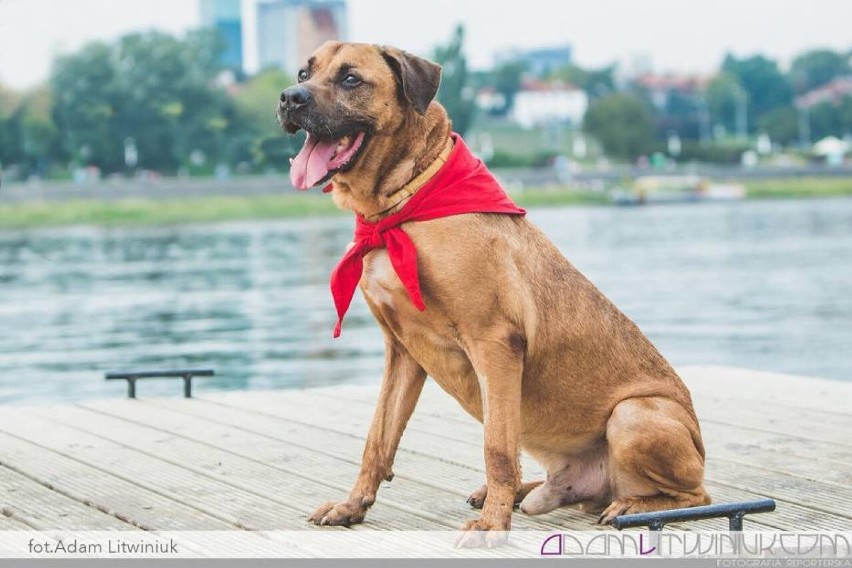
418	78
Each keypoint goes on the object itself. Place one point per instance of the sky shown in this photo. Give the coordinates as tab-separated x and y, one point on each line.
674	35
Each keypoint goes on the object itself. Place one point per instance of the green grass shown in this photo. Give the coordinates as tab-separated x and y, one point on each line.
132	212
129	212
798	187
543	197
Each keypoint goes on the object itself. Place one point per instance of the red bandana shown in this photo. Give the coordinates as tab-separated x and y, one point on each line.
462	185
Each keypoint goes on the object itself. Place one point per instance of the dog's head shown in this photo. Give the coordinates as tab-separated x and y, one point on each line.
346	94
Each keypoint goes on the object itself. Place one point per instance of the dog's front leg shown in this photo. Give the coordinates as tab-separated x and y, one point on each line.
499	368
401	386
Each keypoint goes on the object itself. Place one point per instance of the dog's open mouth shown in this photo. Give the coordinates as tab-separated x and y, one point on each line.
318	160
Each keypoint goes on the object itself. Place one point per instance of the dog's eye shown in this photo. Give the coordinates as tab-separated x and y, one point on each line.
351	81
303	75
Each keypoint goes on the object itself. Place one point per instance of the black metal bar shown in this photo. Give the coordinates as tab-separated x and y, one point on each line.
186	374
735	512
735	521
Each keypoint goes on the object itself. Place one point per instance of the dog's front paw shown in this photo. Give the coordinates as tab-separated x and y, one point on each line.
480	533
345	513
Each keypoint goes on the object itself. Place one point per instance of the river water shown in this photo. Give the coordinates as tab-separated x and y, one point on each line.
759	284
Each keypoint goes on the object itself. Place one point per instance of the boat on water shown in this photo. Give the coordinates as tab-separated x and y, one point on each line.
675	189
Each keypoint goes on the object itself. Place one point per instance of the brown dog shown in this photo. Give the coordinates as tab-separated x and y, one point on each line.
512	330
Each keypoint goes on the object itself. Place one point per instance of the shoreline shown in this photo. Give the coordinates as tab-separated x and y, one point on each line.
142	211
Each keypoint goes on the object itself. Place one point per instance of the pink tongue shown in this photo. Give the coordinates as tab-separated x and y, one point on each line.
312	163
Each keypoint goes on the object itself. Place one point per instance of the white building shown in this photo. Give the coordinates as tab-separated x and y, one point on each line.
540	103
489	100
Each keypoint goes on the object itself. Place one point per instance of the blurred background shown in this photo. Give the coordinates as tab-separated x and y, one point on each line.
694	162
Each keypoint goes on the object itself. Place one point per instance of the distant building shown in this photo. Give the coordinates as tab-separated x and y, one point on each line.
539	103
489	100
539	62
661	87
288	31
831	92
629	67
226	17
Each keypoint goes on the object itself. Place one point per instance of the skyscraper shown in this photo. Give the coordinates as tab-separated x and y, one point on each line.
288	31
226	17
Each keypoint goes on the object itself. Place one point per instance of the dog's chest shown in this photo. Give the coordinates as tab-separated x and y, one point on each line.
428	339
393	307
379	281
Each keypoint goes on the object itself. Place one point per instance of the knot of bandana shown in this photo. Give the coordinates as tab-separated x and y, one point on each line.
462	185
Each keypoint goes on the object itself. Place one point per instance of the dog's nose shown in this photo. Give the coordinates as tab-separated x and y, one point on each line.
295	97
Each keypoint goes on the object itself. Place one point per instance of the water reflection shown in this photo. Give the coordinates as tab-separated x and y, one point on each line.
761	285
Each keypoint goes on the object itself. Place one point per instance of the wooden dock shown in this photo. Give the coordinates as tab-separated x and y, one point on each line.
265	460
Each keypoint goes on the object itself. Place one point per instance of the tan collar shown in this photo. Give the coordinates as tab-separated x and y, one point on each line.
412	187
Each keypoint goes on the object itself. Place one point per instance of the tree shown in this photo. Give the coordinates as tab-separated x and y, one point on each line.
507	81
679	114
86	101
39	138
721	94
10	147
256	102
816	68
831	118
455	92
28	136
151	87
781	124
766	87
621	122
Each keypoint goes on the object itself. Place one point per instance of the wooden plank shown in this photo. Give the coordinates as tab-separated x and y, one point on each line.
775	412
803	424
310	452
774	453
778	485
832	499
288	498
817	394
41	508
265	460
745	387
780	452
459	479
788	515
127	501
205	504
758	386
10	524
813	434
439	475
468	431
771	409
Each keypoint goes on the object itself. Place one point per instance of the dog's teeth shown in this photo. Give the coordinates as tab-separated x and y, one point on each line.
291	161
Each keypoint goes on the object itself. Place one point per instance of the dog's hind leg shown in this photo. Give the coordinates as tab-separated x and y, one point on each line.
401	386
656	458
477	498
578	479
